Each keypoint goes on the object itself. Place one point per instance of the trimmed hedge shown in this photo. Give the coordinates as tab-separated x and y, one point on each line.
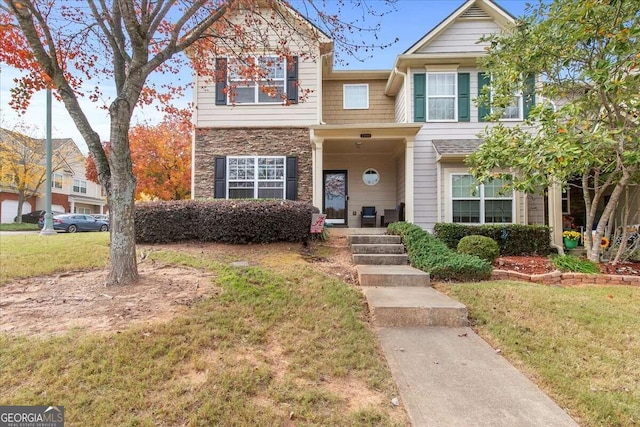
513	239
481	246
225	221
429	254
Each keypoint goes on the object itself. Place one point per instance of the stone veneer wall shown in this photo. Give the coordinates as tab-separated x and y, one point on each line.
215	142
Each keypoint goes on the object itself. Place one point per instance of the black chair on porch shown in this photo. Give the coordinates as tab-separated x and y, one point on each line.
368	216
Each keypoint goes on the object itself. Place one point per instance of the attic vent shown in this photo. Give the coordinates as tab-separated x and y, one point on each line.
475	12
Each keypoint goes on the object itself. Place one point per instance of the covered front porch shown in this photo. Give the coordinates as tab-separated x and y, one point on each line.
356	166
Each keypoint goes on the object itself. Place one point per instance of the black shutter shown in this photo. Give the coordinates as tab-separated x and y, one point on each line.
292	178
220	178
292	80
221	81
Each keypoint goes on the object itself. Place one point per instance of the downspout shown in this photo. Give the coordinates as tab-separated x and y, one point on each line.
320	86
406	93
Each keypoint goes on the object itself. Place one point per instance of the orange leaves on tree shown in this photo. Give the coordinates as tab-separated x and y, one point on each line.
161	156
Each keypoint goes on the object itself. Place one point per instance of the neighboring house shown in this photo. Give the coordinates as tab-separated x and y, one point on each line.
395	139
71	191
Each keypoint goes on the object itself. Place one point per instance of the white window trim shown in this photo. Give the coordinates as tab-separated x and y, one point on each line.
481	198
57	177
520	117
566	195
454	96
344	96
275	100
520	110
255	175
81	184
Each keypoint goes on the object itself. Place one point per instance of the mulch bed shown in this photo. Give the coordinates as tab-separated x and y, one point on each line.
541	265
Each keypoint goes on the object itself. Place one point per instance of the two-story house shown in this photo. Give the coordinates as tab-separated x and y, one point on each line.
394	139
71	191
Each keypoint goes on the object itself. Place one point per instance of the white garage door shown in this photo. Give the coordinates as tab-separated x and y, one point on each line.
10	208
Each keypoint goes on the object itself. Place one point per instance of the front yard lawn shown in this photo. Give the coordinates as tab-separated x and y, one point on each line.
580	344
271	343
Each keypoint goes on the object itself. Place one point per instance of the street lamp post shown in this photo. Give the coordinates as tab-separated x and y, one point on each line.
47	229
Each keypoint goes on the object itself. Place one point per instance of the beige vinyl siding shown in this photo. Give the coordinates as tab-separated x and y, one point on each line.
400	180
401	106
381	107
535	209
381	195
461	36
264	115
209	115
425	185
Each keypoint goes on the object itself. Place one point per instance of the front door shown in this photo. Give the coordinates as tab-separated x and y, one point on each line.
335	196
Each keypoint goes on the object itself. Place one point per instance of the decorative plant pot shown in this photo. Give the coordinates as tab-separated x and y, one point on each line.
570	244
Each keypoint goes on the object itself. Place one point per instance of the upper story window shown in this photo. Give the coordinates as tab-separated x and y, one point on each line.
80	186
474	203
266	85
513	111
355	96
256	177
441	96
520	103
272	80
56	180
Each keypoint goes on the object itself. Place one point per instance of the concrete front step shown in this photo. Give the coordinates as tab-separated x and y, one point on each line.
377	249
413	306
375	239
380	259
392	275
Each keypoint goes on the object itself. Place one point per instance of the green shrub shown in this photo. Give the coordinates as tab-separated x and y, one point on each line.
225	221
512	239
570	263
430	254
481	246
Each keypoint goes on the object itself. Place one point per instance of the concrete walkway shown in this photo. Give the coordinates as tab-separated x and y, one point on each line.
446	374
451	377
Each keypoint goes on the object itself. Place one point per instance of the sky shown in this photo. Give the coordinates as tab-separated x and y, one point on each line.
410	22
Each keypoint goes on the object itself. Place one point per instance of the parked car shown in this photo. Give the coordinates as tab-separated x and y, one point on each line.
34	217
76	222
101	217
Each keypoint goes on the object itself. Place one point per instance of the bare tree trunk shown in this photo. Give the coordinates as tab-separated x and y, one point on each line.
594	254
624	236
20	205
120	197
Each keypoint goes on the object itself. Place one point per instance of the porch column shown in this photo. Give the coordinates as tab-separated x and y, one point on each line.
408	180
316	159
72	206
555	213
